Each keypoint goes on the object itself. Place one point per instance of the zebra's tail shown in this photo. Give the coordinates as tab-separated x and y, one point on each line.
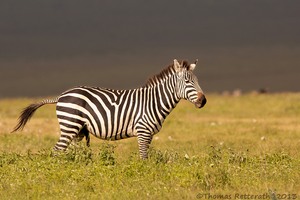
28	112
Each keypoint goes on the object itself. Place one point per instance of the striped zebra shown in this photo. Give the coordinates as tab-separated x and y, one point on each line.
117	114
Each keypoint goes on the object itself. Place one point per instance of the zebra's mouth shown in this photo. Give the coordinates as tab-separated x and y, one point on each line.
198	105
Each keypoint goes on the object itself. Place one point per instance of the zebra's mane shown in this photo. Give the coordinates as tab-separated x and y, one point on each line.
165	73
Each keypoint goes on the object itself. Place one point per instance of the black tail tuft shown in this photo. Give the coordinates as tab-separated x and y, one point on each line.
26	114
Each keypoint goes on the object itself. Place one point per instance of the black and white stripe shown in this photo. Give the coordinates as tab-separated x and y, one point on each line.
117	114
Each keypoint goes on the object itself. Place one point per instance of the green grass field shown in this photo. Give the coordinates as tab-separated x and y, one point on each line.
246	145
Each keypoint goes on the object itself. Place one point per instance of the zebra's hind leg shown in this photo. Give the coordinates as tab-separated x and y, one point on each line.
64	140
83	133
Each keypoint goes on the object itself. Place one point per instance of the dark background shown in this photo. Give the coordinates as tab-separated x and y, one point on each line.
47	47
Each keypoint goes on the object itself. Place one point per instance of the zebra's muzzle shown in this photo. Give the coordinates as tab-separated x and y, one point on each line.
201	100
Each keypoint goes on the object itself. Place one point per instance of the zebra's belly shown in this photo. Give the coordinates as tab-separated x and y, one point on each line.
112	132
120	136
115	135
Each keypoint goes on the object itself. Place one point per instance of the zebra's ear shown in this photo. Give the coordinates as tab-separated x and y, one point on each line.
193	65
177	66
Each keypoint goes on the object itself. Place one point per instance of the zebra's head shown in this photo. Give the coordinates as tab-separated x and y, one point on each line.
187	86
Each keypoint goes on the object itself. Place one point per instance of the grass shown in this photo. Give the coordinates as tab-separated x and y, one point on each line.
234	145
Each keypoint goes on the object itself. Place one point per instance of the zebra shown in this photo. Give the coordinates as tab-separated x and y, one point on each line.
118	114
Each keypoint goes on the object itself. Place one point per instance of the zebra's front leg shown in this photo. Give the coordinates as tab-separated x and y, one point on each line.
144	140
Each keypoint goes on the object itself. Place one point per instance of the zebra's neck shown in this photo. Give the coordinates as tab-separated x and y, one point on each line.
163	96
